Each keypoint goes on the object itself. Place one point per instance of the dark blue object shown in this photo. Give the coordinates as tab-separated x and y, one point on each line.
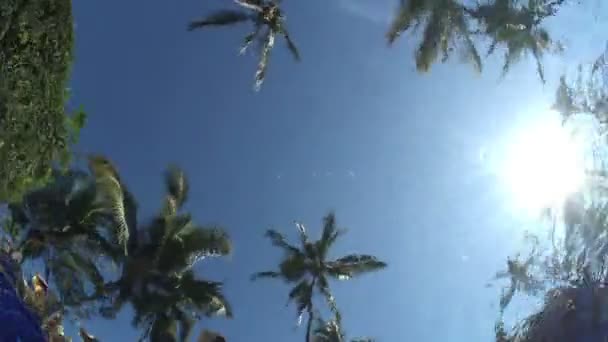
17	322
576	314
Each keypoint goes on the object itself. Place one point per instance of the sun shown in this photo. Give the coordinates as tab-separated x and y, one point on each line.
543	164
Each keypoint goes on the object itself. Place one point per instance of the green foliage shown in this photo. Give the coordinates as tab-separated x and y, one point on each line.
157	277
36	52
451	24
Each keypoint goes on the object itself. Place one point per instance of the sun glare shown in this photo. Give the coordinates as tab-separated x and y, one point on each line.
543	164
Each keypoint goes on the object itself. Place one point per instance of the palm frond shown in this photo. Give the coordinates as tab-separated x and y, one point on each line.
329	235
253	5
408	13
84	265
328	331
291	45
265	274
323	286
110	195
192	243
220	18
428	50
260	73
177	184
249	38
354	264
301	294
206	296
278	240
471	53
537	53
186	323
302	233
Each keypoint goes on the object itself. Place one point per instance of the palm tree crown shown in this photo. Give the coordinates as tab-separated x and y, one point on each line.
157	277
309	268
268	21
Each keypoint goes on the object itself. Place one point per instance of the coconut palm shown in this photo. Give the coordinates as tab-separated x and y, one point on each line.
309	267
157	278
74	222
268	22
446	28
518	29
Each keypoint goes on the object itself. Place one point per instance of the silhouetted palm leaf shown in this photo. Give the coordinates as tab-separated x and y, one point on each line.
353	265
110	195
177	187
220	18
278	240
301	294
291	45
260	73
409	12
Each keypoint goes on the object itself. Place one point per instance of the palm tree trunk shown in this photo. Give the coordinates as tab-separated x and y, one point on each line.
310	315
18	322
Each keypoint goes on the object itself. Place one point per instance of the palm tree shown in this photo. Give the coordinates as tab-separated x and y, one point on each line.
308	267
157	277
74	222
446	27
518	29
268	22
330	331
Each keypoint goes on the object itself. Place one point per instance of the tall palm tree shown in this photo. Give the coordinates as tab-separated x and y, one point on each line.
447	28
517	28
157	277
268	22
307	266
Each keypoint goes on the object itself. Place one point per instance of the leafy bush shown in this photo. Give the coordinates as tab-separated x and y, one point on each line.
36	52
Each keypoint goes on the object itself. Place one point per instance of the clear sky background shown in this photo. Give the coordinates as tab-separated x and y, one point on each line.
400	157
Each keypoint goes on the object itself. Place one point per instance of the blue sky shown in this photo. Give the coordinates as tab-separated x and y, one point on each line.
352	128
